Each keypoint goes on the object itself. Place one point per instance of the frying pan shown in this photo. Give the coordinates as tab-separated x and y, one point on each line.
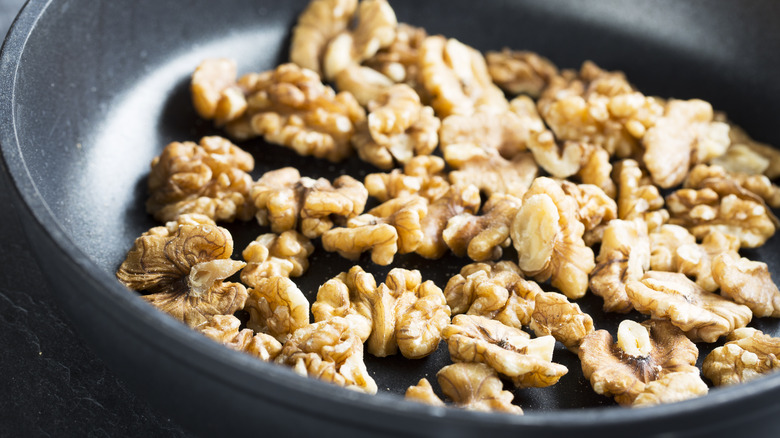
93	90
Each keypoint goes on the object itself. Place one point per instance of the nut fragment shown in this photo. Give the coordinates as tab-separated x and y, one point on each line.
423	393
319	23
456	201
559	160
596	209
209	178
399	60
746	282
643	354
182	266
482	237
638	198
671	388
476	387
215	94
717	178
225	330
664	242
489	171
520	72
423	175
271	255
276	306
555	315
351	295
748	354
739	138
695	260
702	315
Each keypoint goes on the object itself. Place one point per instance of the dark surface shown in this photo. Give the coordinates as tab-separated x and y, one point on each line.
104	110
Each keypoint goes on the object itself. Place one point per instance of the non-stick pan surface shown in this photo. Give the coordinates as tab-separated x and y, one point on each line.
92	91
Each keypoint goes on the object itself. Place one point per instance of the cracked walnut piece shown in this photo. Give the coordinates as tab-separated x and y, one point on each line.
215	94
276	255
225	330
182	266
209	178
276	306
284	199
702	315
319	23
638	197
520	72
644	353
489	171
695	260
482	237
716	177
746	282
423	175
747	355
353	296
456	201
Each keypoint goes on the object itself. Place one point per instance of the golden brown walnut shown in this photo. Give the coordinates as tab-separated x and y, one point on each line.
319	23
350	295
671	388
375	24
476	387
748	354
624	256
702	176
225	330
423	175
215	94
555	315
638	198
397	129
489	171
209	178
746	282
664	242
596	208
276	255
644	353
285	200
520	72
276	306
364	83
685	135
702	315
559	160
423	393
455	77
289	106
597	170
482	237
740	139
695	260
329	351
509	351
547	234
399	60
393	226
182	266
456	201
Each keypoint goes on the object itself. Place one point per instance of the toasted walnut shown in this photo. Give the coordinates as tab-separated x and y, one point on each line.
746	282
748	354
398	127
364	83
423	393
560	161
671	388
702	315
276	255
643	353
455	77
547	234
399	60
209	178
456	201
289	106
596	209
276	306
489	171
482	237
423	175
350	295
717	177
421	313
329	351
555	315
225	330
638	198
520	72
182	266
597	170
739	138
375	25
696	260
624	256
215	94
685	135
476	387
510	351
740	158
664	242
282	197
317	25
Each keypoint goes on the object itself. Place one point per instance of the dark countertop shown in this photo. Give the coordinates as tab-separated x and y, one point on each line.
52	384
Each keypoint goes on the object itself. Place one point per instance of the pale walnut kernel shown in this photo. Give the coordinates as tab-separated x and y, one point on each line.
695	260
747	355
421	314
209	178
276	306
350	295
597	170
286	201
664	242
320	22
509	351
482	237
638	198
364	83
456	201
182	266
702	315
423	393
642	354
672	388
596	208
329	351
520	72
423	175
399	60
276	255
740	138
559	160
215	94
555	315
398	128
746	282
489	171
476	387
225	330
717	178
740	158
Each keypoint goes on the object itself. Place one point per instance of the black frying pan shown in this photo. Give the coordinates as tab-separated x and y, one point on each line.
92	90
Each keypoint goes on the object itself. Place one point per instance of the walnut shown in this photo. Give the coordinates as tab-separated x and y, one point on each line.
664	242
746	282
182	266
276	255
702	315
739	158
560	161
476	387
393	226
482	237
717	177
364	83
510	351
685	135
489	171
520	72
276	306
748	354
399	60
215	94
638	198
624	256
695	260
282	197
547	234
456	201
289	106
596	209
209	178
644	353
423	393
329	351
455	77
739	138
225	330
423	175
555	315
597	170
317	25
671	388
398	127
352	296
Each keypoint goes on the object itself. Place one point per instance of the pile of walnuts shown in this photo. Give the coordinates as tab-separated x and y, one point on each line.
547	195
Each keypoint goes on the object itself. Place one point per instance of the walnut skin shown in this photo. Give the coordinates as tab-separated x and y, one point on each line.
319	23
747	355
209	178
423	175
276	306
489	171
643	354
182	266
225	330
746	282
482	237
520	72
702	315
276	255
